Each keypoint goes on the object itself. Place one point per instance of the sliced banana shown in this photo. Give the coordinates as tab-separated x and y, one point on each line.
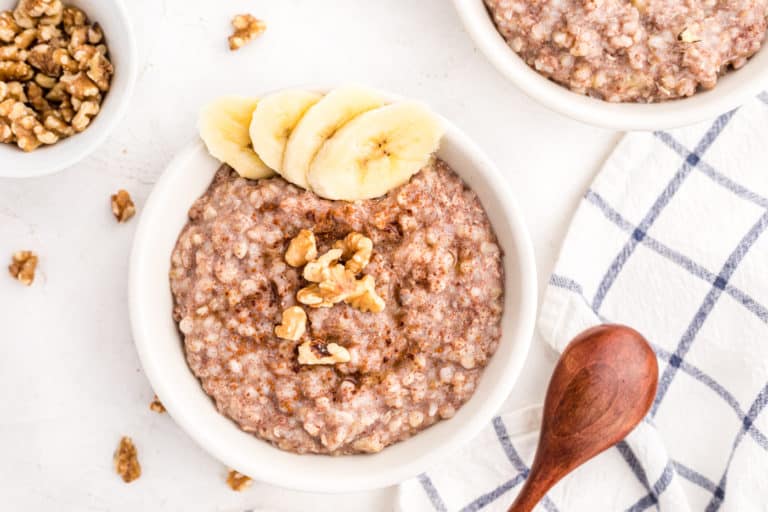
273	121
375	152
223	126
319	123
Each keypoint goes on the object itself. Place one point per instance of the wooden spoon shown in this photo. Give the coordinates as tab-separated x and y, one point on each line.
602	387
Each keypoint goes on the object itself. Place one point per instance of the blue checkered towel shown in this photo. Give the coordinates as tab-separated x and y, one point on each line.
670	239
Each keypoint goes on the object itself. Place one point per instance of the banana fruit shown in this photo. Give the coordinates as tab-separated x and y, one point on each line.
375	152
347	145
224	124
273	121
321	122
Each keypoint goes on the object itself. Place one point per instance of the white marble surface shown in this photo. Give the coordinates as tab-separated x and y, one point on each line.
70	378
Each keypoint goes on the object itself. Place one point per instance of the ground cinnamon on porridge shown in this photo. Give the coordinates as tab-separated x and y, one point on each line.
435	262
633	51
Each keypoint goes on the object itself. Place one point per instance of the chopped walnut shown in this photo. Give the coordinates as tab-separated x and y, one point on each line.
357	251
301	249
335	282
247	28
126	460
86	111
294	324
79	86
157	406
337	286
238	481
122	206
9	29
315	352
61	65
365	298
319	270
25	38
13	70
311	296
22	267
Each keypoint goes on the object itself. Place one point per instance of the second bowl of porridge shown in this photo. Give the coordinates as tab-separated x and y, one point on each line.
640	65
383	331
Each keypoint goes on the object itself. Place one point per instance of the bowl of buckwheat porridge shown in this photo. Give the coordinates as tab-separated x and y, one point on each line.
323	333
637	65
67	72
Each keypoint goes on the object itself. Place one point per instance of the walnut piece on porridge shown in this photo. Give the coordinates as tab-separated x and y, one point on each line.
238	481
247	28
320	269
126	460
365	297
316	352
335	283
156	405
294	324
55	68
22	267
357	250
302	249
122	206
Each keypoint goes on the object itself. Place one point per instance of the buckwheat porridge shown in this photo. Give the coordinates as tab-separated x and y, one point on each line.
633	51
356	373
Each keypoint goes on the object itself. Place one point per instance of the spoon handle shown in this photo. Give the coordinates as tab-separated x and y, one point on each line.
535	488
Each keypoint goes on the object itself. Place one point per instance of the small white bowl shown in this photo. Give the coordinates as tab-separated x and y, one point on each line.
731	91
113	18
160	347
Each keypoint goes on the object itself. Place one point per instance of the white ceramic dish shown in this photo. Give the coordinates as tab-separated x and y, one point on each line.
160	346
732	90
113	18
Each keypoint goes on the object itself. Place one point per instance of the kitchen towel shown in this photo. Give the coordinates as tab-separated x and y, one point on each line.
671	239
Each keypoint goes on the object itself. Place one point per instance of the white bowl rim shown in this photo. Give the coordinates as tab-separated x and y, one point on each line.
618	116
227	452
130	69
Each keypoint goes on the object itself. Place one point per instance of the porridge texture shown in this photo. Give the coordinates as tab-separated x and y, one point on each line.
436	265
633	51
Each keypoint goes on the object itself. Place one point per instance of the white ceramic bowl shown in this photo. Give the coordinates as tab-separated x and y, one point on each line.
732	90
113	18
160	346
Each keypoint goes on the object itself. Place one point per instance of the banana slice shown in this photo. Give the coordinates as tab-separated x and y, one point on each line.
223	126
319	123
375	152
273	121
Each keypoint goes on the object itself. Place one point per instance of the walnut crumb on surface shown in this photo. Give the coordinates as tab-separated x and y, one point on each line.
126	460
247	28
22	267
157	406
122	206
238	481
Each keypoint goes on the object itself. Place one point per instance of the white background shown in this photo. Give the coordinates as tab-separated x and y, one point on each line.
70	380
